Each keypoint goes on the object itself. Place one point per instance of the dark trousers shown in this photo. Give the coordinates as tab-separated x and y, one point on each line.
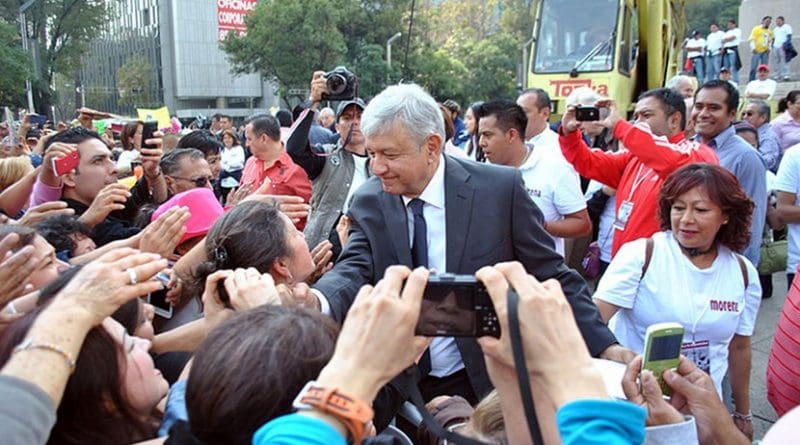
789	279
766	286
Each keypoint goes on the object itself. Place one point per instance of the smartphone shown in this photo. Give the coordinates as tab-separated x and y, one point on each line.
158	299
457	306
64	165
584	114
148	129
662	351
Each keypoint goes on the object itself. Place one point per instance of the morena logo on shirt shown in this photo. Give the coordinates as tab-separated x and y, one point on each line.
534	192
724	306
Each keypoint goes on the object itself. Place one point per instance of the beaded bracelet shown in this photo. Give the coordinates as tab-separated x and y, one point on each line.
30	344
746	417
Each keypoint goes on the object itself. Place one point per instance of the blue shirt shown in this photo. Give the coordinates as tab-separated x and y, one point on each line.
742	160
769	147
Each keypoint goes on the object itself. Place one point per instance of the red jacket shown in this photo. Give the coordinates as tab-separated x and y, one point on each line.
637	171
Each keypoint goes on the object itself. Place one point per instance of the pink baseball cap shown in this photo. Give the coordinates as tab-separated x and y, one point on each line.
203	207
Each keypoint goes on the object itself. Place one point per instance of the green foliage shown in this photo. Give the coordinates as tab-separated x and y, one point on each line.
700	13
58	31
16	66
133	82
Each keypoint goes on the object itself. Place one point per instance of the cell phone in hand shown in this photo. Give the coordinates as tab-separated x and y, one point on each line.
62	166
662	351
457	306
148	130
161	306
37	120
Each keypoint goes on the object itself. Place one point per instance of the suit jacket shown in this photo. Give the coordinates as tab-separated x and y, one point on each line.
490	218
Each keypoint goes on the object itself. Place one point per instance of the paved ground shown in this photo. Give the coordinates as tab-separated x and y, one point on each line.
763	414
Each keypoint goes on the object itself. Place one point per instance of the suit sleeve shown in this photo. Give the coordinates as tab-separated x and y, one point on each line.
353	270
603	167
533	247
654	151
300	149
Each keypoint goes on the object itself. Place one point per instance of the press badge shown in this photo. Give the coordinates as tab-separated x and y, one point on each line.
623	214
699	353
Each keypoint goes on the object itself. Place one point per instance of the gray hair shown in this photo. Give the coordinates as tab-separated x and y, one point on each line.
582	96
327	111
407	105
762	107
170	162
676	81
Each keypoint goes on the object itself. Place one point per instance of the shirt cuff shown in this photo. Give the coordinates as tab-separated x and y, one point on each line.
684	433
324	306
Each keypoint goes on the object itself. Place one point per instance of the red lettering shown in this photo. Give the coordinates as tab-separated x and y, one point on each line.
724	306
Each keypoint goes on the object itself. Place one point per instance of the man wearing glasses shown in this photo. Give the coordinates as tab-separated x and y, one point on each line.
757	113
185	169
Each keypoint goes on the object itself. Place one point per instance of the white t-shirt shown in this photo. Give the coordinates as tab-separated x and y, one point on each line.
715	42
126	157
695	43
758	86
553	186
711	304
789	181
359	177
736	33
781	34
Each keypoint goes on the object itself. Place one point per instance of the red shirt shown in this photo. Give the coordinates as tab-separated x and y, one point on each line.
286	178
637	172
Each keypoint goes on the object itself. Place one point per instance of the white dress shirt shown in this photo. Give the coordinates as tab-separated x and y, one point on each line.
714	42
736	33
781	34
445	356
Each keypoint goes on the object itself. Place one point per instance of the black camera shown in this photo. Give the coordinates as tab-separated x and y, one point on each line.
457	306
341	83
584	114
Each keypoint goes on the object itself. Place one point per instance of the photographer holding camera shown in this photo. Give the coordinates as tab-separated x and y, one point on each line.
336	170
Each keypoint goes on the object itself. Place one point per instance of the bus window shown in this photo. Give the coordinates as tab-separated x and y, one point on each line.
576	32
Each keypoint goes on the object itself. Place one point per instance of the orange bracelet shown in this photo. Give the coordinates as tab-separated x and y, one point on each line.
352	412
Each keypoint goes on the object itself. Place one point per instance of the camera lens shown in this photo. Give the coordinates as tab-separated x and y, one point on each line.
336	84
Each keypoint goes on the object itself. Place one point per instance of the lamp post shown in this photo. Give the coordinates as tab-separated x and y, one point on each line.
23	29
389	52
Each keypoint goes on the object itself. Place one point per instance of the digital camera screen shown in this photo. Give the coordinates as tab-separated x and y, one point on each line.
448	310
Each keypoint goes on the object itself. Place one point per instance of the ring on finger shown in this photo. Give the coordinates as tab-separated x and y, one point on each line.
132	275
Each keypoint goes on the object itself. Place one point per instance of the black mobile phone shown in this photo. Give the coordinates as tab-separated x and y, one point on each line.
37	120
584	114
158	299
148	129
457	306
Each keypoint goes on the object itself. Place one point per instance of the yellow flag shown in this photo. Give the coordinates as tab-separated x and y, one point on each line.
161	115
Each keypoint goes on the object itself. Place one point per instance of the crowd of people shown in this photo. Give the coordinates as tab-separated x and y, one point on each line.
264	284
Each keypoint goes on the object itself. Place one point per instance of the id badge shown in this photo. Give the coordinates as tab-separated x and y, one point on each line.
699	353
623	214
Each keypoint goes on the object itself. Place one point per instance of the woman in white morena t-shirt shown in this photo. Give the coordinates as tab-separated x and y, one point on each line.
693	278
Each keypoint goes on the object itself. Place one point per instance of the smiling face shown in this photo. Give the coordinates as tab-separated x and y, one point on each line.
403	167
710	113
695	219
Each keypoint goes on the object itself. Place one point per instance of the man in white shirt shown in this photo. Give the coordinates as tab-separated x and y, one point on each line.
730	44
535	102
695	51
715	52
549	180
762	87
783	34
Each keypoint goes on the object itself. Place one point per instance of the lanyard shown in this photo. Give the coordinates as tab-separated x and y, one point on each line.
638	180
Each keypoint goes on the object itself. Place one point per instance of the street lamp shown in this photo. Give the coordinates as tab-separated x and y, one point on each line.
23	29
389	53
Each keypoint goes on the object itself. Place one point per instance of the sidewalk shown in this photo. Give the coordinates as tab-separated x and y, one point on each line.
763	414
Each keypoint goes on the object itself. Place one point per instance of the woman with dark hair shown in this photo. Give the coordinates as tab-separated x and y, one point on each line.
471	118
690	273
281	250
787	125
276	351
231	161
131	139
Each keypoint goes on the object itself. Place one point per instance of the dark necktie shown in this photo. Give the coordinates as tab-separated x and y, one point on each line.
419	256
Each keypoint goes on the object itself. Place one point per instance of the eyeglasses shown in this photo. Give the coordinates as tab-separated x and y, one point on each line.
747	113
198	182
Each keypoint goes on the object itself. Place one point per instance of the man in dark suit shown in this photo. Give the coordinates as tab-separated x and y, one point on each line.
425	209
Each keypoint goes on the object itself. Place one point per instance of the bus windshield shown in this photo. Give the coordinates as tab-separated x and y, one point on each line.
576	34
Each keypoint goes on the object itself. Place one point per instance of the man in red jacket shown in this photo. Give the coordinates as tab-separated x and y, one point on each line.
654	147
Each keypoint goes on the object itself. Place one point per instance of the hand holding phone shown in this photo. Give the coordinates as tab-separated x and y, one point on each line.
662	351
148	130
161	306
63	165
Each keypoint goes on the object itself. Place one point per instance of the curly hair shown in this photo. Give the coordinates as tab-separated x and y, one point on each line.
723	189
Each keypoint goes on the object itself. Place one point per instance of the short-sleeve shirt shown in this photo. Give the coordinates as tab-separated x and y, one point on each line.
766	86
696	43
554	187
760	38
712	304
736	33
789	181
286	177
715	42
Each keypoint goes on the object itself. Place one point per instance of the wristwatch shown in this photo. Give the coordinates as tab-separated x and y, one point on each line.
352	412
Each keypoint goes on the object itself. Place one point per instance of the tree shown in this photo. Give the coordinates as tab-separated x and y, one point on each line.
58	31
16	66
700	13
288	41
133	82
